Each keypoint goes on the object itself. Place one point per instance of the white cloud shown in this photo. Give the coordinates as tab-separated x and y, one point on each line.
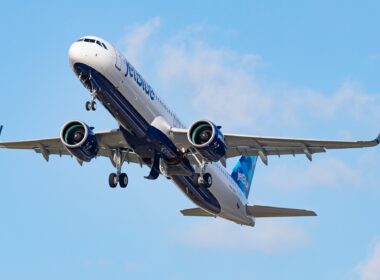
270	236
216	79
369	269
220	80
136	39
348	101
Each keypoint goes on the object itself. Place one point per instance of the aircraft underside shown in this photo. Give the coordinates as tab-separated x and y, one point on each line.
146	140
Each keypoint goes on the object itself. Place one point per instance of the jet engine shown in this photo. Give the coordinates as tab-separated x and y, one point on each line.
207	138
80	140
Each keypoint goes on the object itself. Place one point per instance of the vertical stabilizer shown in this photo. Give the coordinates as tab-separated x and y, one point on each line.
243	173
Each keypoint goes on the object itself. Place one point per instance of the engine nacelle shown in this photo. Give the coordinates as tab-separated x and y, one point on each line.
80	140
207	138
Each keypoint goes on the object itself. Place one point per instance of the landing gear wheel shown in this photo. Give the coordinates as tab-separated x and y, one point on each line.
123	180
205	180
88	106
93	105
113	180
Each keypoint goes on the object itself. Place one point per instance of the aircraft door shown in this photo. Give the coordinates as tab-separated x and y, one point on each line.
119	60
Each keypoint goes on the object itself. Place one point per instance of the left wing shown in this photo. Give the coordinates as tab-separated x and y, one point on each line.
266	146
196	212
108	143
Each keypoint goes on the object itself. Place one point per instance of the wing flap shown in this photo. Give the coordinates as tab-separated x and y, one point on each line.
196	212
273	151
259	211
235	140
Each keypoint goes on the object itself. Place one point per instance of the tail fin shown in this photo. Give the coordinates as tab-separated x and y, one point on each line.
243	173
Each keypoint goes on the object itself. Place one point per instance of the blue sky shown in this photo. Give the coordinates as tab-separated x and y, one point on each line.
292	69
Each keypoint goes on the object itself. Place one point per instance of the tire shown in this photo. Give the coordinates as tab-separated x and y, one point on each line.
113	180
123	180
88	106
93	105
207	180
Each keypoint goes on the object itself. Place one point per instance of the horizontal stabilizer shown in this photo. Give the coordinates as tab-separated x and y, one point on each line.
258	211
198	212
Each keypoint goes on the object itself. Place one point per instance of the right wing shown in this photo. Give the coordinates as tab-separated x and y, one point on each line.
108	143
258	211
250	145
263	146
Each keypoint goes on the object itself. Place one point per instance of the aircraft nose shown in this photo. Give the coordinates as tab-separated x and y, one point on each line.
75	53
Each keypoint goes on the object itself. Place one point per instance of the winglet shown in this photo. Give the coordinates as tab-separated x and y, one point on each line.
1	129
377	139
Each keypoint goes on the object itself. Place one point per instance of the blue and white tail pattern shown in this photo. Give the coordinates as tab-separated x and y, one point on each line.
243	173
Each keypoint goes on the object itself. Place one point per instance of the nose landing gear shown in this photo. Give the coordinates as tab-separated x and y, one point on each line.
90	105
90	83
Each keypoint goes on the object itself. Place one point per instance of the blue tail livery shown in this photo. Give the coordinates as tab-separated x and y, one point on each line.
243	173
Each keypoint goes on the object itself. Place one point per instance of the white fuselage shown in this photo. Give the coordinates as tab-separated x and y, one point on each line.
113	66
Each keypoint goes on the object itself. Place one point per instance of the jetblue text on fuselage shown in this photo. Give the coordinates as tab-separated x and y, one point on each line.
132	73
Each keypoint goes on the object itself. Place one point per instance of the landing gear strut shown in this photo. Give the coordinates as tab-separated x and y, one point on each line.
89	82
203	179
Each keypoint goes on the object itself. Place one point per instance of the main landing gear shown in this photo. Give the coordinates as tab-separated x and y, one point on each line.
118	178
121	179
205	180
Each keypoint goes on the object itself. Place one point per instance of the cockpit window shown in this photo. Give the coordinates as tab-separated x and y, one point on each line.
87	40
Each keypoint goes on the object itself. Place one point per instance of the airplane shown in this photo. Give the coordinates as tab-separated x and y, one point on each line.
150	134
